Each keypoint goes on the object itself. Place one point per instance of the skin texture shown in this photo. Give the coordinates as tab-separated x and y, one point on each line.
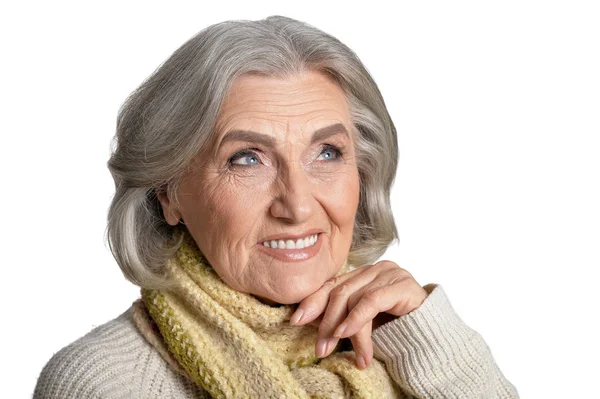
241	191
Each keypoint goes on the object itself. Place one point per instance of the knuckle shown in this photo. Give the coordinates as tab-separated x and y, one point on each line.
386	265
399	275
404	272
372	297
360	313
354	299
331	283
391	268
325	327
341	290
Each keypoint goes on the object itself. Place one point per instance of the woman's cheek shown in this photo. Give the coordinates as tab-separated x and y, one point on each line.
237	204
342	191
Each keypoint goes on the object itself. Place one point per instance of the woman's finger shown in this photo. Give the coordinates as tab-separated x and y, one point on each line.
338	307
371	303
363	346
315	304
382	279
336	311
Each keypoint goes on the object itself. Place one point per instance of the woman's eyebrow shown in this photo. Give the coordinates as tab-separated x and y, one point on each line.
249	136
328	131
270	141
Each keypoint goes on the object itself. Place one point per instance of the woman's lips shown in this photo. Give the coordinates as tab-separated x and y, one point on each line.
293	255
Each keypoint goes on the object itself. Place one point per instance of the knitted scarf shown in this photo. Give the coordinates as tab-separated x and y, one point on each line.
234	346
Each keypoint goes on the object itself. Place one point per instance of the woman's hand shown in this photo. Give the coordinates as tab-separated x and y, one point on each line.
353	304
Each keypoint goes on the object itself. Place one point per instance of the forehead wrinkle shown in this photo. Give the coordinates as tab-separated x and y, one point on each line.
268	108
273	98
280	111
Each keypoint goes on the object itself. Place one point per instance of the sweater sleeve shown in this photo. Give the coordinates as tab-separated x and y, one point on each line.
431	353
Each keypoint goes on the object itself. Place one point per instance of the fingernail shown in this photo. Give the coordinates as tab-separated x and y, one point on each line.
361	362
321	347
340	330
295	319
331	343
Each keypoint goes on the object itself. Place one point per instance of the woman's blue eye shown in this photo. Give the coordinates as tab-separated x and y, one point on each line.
245	158
330	153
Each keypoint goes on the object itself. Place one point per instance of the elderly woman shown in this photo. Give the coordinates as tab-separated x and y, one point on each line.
253	173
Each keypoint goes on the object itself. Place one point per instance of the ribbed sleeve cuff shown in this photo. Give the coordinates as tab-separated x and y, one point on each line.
435	319
431	352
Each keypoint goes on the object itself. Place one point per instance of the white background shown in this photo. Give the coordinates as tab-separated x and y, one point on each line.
497	105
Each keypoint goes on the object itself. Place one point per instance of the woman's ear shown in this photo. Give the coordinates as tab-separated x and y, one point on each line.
171	214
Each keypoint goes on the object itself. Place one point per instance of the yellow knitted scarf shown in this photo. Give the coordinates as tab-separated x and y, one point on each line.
234	346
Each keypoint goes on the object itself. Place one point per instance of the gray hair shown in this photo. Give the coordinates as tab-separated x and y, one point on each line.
171	117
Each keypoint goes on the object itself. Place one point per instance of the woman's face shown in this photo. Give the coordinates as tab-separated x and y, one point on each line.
272	203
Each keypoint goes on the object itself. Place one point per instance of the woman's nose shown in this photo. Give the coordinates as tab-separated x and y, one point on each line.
294	201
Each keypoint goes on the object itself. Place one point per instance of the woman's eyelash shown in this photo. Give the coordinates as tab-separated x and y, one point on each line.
241	154
338	151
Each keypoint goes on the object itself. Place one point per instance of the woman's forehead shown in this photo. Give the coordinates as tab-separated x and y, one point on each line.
308	101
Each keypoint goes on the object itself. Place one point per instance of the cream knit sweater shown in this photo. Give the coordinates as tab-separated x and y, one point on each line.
429	353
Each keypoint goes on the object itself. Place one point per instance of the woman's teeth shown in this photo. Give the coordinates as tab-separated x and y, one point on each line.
291	244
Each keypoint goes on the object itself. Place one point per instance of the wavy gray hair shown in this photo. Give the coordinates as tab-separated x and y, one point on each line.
171	116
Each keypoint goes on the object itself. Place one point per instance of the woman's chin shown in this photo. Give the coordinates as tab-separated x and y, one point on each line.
293	282
288	295
279	301
267	301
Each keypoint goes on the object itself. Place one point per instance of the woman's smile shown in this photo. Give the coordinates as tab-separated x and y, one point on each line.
291	249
